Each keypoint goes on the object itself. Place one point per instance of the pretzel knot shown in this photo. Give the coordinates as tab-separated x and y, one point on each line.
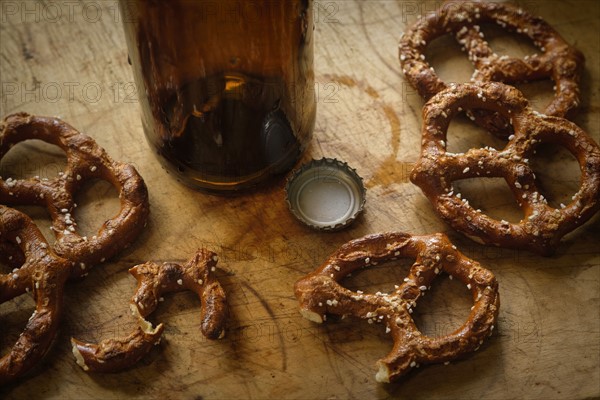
154	280
542	226
320	293
41	272
85	161
558	60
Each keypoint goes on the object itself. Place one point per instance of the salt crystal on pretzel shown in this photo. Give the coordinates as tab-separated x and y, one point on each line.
37	270
154	280
557	59
320	293
85	161
542	226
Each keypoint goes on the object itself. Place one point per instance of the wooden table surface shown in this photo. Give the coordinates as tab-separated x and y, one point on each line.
69	59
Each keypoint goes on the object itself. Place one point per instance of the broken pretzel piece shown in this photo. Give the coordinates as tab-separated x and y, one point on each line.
154	280
320	294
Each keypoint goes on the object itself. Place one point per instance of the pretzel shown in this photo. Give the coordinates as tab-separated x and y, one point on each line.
154	280
558	60
85	160
542	226
37	270
319	293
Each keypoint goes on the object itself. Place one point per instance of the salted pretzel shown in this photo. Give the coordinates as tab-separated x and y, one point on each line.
542	226
557	59
37	269
154	280
85	161
320	293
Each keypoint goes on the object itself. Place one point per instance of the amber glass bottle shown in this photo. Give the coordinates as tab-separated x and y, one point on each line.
226	87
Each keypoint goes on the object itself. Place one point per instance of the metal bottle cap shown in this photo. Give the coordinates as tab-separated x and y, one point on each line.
325	194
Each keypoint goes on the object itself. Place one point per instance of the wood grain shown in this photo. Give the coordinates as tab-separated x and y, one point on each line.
548	339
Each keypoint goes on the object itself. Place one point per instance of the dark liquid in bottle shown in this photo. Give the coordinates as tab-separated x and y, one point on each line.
230	129
228	86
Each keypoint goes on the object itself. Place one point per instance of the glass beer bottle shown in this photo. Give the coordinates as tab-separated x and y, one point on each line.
226	87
